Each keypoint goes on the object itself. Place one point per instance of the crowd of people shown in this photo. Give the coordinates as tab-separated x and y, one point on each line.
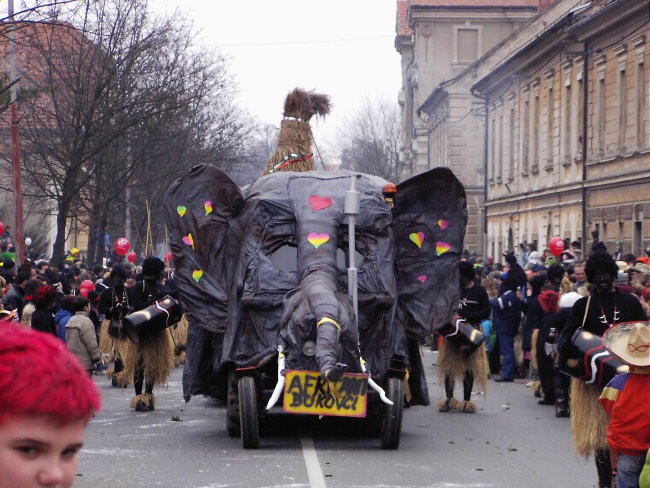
531	309
84	307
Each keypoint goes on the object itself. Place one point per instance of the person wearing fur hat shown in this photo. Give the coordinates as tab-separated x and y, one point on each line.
605	307
151	360
474	307
114	303
626	399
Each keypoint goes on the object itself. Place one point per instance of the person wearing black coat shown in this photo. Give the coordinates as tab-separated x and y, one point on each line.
455	361
533	315
43	317
152	359
605	307
114	304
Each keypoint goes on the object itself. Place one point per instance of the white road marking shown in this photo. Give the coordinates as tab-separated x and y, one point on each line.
316	478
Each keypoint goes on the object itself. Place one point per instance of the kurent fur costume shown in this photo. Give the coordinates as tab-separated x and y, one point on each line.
604	308
455	363
151	360
114	304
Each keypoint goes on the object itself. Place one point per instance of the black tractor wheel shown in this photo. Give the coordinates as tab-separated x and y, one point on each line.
232	408
248	417
392	423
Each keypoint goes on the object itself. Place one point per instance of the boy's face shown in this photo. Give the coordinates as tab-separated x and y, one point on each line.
35	452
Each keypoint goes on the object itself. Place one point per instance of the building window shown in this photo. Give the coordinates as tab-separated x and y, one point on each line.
640	105
511	146
491	142
622	110
550	123
601	116
534	134
579	122
567	123
500	146
525	136
467	44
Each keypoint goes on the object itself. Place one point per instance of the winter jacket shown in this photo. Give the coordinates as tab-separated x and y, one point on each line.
506	313
61	318
81	339
14	299
43	320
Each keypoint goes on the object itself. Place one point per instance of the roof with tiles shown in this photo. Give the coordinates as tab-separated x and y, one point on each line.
402	28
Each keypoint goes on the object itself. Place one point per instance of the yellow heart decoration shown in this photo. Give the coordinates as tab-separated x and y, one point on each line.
442	247
317	240
417	238
197	274
443	224
208	207
181	209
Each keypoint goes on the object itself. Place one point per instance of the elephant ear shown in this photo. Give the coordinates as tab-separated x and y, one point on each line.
198	210
429	221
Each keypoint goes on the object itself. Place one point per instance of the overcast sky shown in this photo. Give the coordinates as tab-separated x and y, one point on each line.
344	48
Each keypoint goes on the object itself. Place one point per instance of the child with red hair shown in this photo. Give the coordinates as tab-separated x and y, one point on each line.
46	401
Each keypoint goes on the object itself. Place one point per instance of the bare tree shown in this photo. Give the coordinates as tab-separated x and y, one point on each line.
368	141
110	79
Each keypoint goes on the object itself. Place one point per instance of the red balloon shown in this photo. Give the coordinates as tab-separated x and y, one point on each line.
85	287
168	257
131	257
556	246
2	228
122	246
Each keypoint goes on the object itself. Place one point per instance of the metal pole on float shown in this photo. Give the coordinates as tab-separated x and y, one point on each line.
18	239
351	209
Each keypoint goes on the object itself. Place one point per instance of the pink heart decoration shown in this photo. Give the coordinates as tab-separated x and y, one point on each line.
443	224
317	240
319	203
442	247
417	238
422	278
189	240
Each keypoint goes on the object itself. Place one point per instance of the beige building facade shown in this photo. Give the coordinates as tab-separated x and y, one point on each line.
442	122
567	141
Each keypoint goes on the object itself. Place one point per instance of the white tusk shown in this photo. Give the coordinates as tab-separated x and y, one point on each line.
375	386
380	390
279	386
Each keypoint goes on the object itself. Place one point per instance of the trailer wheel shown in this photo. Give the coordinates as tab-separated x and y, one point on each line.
248	417
232	408
392	423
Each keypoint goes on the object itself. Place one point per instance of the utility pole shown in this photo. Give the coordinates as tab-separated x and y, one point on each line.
19	238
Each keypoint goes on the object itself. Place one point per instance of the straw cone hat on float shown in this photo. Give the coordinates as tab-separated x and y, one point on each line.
630	342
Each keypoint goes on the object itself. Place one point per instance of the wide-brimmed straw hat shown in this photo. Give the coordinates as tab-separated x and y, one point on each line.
630	342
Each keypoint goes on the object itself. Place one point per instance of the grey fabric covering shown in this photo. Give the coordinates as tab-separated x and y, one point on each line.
272	263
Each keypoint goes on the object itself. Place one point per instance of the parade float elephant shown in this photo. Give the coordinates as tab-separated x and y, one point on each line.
262	273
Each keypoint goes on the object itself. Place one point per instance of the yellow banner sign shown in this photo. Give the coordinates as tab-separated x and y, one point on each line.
307	392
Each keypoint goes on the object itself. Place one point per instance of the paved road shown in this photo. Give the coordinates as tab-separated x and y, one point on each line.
511	442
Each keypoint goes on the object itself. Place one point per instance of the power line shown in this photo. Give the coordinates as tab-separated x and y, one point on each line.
285	43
